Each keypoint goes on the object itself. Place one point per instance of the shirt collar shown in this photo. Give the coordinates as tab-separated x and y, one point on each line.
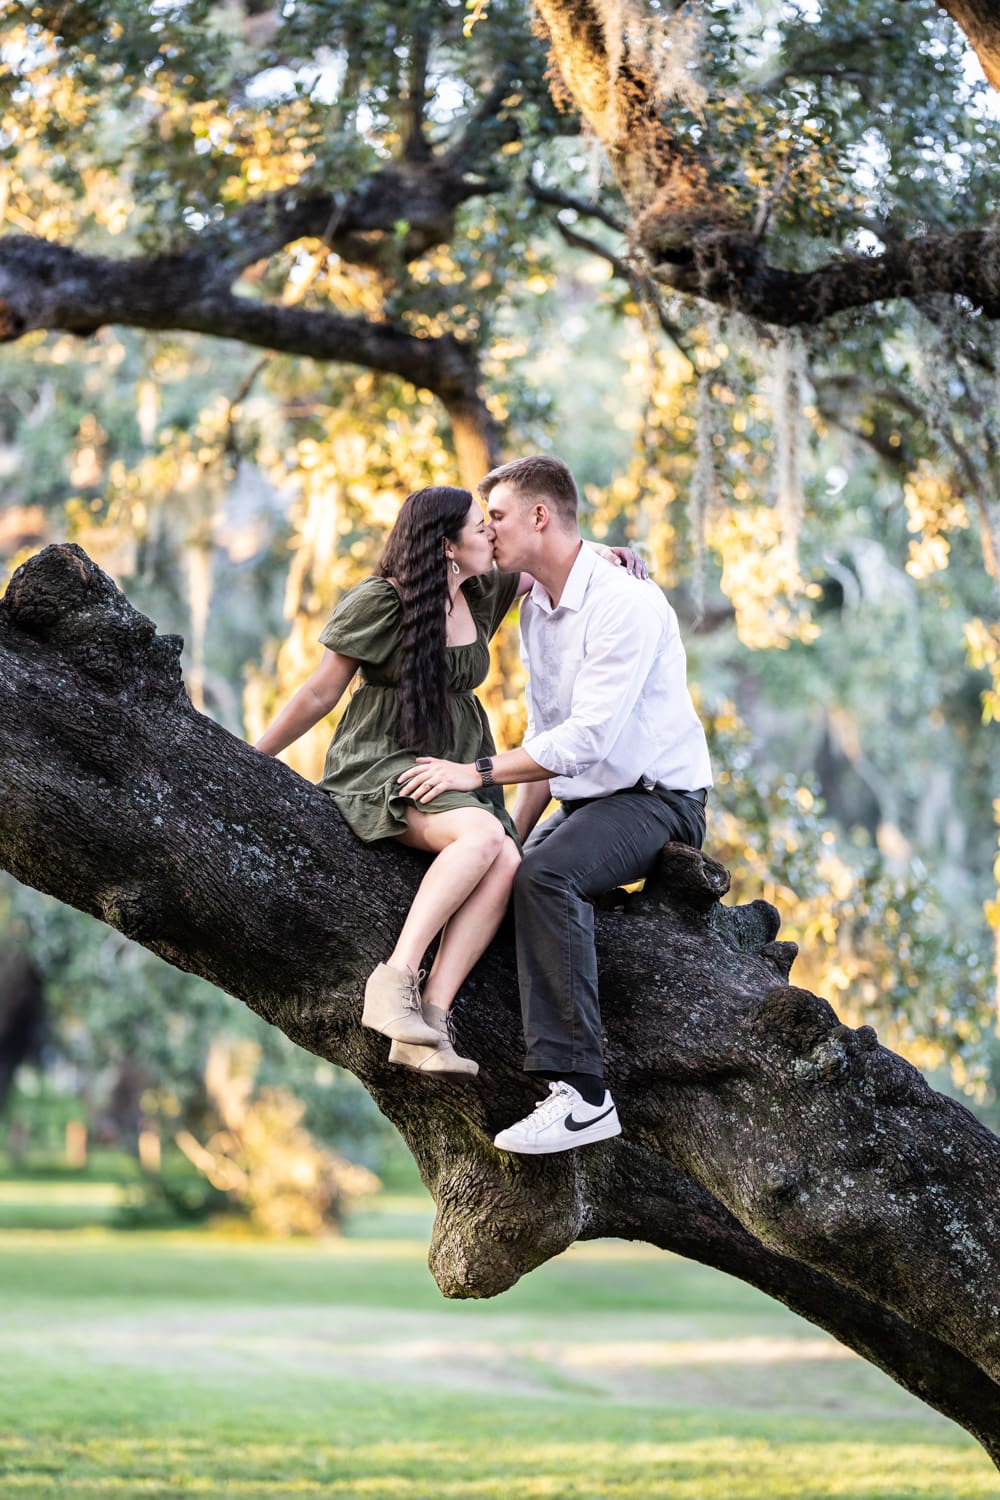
575	587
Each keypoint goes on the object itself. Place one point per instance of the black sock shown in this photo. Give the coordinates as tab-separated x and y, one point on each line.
590	1086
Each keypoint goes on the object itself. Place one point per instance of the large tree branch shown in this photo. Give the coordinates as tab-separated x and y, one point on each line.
391	216
386	219
760	1134
730	271
45	285
394	214
644	1192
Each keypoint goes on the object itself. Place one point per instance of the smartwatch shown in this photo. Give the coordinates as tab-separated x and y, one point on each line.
484	765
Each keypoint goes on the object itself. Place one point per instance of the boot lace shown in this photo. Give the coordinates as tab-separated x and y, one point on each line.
413	982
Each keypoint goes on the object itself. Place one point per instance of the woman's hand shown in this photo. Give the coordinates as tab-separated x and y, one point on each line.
429	778
622	557
631	562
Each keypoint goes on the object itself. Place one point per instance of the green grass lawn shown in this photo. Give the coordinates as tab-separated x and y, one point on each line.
188	1364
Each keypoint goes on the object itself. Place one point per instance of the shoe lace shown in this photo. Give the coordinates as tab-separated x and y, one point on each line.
547	1110
413	982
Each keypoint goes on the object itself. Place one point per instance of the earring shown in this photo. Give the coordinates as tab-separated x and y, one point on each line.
454	566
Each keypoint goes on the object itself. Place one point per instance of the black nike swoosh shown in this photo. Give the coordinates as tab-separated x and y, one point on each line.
572	1124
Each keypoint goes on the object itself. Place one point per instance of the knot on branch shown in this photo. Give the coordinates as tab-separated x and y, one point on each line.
686	880
782	1183
132	910
496	1222
781	955
801	1018
827	1050
832	1058
63	599
752	929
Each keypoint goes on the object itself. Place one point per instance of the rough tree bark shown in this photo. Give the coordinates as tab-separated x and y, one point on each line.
760	1135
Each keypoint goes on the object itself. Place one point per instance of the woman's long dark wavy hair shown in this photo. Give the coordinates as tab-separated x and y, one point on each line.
414	557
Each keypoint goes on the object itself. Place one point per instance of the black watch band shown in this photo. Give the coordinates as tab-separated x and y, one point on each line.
484	765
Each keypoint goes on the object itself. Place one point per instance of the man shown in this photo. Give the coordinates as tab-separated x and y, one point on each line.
613	735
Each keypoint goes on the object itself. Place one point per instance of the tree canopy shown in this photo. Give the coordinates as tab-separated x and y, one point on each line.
800	192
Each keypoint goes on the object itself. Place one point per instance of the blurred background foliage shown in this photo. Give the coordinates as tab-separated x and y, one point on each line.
821	507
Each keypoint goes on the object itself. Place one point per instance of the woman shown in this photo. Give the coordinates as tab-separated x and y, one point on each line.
419	631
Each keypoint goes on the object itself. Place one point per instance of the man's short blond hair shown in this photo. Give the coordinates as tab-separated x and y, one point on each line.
538	477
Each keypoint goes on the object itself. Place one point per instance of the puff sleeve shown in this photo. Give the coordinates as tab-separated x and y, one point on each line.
367	624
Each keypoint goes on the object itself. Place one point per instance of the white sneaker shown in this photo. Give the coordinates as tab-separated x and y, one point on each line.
560	1122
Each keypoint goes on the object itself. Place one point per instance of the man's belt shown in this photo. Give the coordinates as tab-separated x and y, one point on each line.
700	796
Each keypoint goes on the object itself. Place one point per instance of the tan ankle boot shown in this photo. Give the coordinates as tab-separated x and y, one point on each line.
392	1006
441	1058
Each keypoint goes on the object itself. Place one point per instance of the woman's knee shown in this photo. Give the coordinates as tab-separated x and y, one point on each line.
508	860
497	841
435	832
485	835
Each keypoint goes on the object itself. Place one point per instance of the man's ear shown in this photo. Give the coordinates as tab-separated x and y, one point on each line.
539	517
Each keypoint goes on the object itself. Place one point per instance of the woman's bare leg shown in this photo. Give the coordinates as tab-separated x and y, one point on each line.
472	928
466	842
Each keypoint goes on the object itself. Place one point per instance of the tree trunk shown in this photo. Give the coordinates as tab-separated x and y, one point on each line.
474	436
22	1017
760	1135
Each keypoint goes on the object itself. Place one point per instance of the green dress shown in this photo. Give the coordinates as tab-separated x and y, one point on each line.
365	758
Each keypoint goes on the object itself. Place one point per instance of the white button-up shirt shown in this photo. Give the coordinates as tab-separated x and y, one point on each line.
608	701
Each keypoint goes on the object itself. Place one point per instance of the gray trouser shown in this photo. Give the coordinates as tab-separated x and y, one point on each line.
585	849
